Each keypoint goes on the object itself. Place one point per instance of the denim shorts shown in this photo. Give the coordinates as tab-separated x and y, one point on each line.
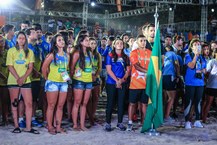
82	85
51	86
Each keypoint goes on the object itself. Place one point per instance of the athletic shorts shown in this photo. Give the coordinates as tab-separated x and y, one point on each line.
26	86
169	83
211	92
138	95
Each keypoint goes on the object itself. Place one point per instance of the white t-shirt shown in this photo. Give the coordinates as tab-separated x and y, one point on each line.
212	69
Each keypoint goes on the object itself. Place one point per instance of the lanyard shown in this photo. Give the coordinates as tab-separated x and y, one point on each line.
140	58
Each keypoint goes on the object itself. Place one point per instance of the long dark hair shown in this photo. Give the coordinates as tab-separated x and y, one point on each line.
123	55
54	48
25	47
95	52
78	48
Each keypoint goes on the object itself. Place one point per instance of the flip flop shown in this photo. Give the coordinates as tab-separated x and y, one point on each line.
16	130
33	131
61	131
52	131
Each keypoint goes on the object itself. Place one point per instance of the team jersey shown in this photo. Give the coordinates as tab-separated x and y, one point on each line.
9	43
169	61
95	66
38	60
3	68
101	51
17	59
190	78
118	68
57	69
138	79
86	74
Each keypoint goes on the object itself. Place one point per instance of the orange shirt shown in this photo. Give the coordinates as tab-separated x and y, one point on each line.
138	79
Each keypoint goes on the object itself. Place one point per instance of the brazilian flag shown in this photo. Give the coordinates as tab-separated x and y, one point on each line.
154	113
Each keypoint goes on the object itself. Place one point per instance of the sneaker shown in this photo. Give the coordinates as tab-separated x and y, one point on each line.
188	125
22	124
169	120
121	126
129	127
198	124
35	123
108	127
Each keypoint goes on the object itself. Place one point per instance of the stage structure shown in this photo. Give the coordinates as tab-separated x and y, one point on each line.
142	7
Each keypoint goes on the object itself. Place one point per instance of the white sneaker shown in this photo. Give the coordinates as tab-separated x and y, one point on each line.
188	125
198	124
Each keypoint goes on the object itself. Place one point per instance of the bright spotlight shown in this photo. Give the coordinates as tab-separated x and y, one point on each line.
170	9
92	4
212	10
5	3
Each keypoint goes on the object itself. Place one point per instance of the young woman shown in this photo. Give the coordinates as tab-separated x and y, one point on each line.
20	61
117	66
96	69
211	84
4	99
194	82
170	76
54	70
81	71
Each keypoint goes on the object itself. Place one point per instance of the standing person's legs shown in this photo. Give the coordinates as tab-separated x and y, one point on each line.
83	108
51	100
171	97
207	106
78	95
14	93
27	96
111	94
59	110
121	102
4	104
95	95
198	98
69	102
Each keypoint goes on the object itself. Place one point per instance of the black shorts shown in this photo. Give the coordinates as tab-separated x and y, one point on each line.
138	95
36	86
211	92
168	83
26	86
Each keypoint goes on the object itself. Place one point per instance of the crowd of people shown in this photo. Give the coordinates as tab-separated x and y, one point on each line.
48	71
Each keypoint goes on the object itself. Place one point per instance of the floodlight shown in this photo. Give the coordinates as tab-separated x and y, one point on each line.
212	10
92	3
5	3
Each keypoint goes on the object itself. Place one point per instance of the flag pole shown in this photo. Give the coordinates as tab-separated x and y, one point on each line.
153	131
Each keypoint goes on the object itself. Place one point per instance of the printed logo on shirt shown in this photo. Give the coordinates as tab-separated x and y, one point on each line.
20	61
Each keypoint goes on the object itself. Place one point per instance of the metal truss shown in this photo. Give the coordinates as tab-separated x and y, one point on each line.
103	2
136	12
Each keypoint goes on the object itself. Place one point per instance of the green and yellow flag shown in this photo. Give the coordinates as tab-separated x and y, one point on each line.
154	113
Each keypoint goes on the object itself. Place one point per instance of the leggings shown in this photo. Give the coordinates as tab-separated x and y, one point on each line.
112	94
193	94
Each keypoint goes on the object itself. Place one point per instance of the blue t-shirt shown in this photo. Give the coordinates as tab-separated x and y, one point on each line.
169	60
36	50
127	51
190	78
9	43
45	47
118	68
108	49
101	51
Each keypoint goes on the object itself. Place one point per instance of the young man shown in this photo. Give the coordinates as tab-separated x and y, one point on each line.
139	59
9	34
103	73
35	77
